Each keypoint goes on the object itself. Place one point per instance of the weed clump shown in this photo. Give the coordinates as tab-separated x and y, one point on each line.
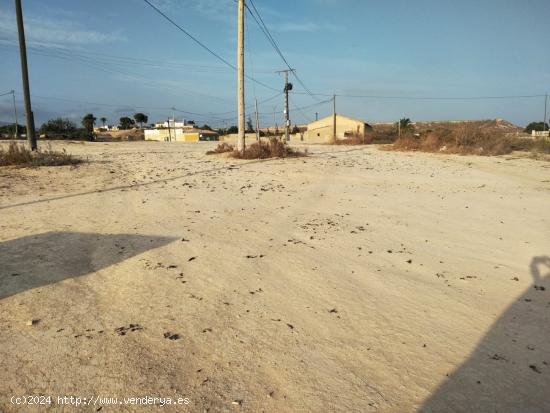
221	148
19	155
466	140
368	138
274	148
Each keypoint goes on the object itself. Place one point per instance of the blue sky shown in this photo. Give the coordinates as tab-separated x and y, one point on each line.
114	58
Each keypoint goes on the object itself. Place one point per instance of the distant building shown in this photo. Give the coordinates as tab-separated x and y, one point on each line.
322	130
106	128
182	134
174	123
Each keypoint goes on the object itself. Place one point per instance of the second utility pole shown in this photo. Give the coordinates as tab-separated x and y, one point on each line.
31	135
334	118
545	112
257	123
288	88
240	77
16	131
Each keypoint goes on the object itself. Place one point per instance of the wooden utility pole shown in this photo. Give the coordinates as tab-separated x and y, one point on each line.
545	112
287	109
31	135
257	123
174	120
240	77
288	88
16	130
316	116
334	118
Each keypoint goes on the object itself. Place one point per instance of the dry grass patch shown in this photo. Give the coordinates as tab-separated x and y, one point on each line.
371	137
465	140
20	155
274	148
221	148
538	148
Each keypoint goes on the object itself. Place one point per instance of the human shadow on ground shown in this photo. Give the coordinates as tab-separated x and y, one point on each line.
42	259
509	371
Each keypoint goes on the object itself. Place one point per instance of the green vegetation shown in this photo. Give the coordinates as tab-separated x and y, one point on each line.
126	123
141	119
405	125
88	122
249	126
536	126
58	125
9	130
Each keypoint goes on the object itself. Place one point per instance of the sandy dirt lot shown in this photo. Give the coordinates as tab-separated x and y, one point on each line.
353	280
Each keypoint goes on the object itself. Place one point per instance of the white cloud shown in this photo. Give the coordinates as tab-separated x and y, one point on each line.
43	31
212	9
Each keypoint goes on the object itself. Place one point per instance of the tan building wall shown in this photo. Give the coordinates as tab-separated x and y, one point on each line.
182	135
321	131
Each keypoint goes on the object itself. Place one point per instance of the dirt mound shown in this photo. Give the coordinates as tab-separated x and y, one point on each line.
123	135
489	125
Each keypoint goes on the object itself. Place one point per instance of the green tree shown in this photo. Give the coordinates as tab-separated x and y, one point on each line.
103	121
58	125
126	123
536	126
249	126
88	122
295	129
232	129
10	130
141	119
405	124
206	127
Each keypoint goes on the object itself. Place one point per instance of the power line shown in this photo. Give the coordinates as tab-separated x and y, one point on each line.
121	61
263	27
217	56
203	116
427	97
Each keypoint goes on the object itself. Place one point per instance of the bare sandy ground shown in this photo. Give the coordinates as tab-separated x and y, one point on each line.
354	280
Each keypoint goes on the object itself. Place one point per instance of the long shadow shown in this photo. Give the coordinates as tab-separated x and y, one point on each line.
509	371
47	258
168	179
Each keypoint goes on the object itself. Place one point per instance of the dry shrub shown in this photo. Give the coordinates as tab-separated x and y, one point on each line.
538	148
274	148
371	137
355	140
19	155
541	146
466	140
221	148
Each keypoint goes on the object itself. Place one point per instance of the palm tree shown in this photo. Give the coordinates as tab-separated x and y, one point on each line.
141	119
103	120
88	122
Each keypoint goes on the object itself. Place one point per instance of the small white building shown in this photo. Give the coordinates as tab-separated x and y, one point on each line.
174	123
106	128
